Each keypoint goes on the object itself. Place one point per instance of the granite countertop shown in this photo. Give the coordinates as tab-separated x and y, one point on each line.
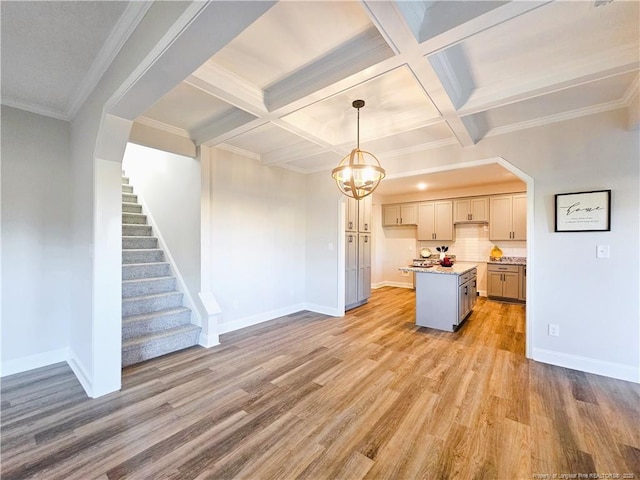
509	260
458	268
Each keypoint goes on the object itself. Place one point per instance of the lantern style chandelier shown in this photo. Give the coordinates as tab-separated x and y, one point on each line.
359	173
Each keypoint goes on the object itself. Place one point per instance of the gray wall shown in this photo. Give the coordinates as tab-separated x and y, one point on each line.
36	240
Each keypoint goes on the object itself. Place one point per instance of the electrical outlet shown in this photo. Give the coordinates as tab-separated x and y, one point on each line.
554	330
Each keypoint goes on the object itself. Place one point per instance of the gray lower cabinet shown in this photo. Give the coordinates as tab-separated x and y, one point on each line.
504	281
357	269
443	301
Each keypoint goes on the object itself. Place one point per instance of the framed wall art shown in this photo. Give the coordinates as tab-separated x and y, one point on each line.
583	211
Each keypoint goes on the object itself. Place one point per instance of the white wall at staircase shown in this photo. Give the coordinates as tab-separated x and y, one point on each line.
257	239
170	186
36	234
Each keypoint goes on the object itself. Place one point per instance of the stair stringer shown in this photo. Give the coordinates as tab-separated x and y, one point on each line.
196	318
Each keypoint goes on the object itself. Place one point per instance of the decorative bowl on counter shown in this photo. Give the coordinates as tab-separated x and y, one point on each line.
446	262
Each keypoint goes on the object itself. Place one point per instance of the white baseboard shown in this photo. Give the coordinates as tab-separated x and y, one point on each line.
226	327
589	365
323	309
208	341
30	362
45	359
80	373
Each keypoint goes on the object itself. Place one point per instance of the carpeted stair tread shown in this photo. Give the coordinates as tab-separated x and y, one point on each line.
148	285
154	320
141	317
142	255
135	242
147	323
134	218
151	302
132	271
150	346
131	207
159	335
133	230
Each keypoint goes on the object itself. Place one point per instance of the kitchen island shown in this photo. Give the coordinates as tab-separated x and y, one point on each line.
444	295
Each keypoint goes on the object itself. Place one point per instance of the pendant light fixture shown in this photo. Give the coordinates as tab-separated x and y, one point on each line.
359	173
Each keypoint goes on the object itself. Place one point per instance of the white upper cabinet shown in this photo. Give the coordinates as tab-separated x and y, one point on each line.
435	220
471	210
508	217
400	214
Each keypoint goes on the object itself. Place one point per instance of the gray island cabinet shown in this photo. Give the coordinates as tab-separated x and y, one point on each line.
445	296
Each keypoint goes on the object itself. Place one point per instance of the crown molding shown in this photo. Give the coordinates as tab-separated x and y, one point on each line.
126	25
34	108
150	122
631	92
238	151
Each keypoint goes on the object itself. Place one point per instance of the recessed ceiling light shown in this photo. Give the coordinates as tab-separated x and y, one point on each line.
422	186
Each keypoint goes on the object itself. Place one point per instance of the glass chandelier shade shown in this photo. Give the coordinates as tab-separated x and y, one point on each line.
359	173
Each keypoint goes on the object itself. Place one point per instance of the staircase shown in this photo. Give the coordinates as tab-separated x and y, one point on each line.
154	321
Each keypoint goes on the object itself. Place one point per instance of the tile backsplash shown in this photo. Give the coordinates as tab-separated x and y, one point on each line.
472	244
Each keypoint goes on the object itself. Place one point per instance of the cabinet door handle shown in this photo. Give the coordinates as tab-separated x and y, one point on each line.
400	220
350	224
350	239
366	226
366	239
466	290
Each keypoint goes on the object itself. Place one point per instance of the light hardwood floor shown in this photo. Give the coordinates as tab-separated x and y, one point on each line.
307	396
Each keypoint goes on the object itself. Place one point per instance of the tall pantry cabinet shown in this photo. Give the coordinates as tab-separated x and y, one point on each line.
357	252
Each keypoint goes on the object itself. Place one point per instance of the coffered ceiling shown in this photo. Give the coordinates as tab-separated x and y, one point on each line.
432	72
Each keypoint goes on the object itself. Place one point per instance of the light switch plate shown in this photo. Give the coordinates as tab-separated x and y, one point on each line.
602	251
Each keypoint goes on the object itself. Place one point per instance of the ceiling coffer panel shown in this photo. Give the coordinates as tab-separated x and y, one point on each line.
394	102
188	108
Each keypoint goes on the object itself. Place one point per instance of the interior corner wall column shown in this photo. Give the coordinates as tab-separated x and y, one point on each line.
111	142
209	336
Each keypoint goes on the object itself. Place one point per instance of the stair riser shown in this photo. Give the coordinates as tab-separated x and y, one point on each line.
136	243
131	208
147	305
148	287
127	188
136	230
162	347
154	324
134	271
134	218
143	256
125	180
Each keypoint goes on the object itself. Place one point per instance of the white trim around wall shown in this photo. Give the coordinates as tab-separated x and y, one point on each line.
30	362
590	365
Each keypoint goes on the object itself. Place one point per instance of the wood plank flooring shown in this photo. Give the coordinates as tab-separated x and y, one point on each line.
367	396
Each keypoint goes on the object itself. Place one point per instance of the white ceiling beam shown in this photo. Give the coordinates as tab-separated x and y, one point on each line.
227	126
361	52
231	88
393	26
200	32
